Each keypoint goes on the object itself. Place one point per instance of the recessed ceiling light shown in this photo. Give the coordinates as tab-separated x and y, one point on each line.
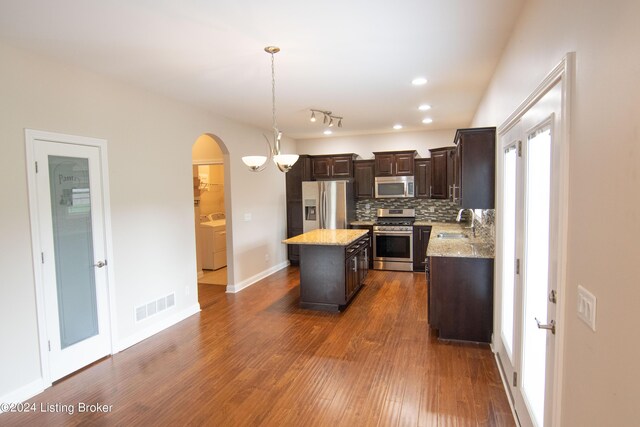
427	120
327	132
424	107
418	81
398	126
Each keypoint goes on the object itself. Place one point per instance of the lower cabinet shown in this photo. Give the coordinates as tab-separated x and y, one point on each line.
331	275
460	298
421	235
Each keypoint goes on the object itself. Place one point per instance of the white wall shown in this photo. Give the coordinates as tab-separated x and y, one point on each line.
601	370
152	214
365	145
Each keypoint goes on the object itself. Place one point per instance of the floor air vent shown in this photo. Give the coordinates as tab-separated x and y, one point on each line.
154	307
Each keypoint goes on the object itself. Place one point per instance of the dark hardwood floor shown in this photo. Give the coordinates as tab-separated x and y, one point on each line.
255	358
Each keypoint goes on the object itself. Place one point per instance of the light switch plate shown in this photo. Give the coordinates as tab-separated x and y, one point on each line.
587	307
247	217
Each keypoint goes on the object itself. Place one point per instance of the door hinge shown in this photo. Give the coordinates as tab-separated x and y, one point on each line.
49	343
553	296
36	167
519	148
42	256
515	379
517	266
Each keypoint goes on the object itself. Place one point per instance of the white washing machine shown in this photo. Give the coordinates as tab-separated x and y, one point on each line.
213	235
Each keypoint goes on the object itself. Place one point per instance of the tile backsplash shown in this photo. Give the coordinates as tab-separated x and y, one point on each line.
430	210
426	209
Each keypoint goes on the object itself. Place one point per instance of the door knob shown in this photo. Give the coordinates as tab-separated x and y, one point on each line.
100	264
551	326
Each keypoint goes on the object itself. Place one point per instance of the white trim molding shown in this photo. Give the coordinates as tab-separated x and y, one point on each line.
24	393
157	327
232	289
564	72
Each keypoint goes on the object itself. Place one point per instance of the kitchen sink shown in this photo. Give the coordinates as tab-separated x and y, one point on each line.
452	236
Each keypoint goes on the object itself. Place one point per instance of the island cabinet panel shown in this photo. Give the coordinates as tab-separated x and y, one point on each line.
338	166
423	178
369	229
330	275
364	171
394	163
421	236
460	298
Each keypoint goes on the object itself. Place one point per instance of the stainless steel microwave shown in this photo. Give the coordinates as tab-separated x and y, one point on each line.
394	187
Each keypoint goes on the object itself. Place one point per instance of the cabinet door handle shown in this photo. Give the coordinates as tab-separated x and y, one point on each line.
450	188
355	263
430	191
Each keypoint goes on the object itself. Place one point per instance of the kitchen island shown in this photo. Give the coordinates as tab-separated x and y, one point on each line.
333	265
460	280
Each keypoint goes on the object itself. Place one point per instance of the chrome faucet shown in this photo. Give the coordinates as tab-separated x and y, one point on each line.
473	217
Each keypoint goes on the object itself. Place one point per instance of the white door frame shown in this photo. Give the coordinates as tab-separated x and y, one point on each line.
31	136
564	72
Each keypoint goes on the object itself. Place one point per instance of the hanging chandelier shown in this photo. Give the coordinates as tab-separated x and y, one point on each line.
284	162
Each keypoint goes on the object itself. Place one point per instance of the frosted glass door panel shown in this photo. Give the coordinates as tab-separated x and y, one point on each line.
536	280
509	249
73	248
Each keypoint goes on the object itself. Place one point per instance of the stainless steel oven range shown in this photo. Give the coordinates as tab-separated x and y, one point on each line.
393	239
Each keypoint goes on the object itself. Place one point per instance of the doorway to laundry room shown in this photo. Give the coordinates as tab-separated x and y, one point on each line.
210	210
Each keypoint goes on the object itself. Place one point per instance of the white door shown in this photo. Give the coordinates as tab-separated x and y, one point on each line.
69	211
529	251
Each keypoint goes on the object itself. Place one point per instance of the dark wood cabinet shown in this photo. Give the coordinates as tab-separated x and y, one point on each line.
301	171
369	228
339	166
364	171
421	235
474	168
441	172
394	163
331	275
460	292
422	169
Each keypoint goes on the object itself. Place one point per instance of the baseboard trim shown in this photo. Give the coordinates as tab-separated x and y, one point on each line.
23	393
507	391
232	289
156	327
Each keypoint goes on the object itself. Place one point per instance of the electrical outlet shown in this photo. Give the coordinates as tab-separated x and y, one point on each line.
186	290
266	257
247	217
587	307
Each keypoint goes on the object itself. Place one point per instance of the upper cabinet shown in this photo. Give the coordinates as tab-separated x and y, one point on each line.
338	166
364	171
423	178
394	163
441	173
474	168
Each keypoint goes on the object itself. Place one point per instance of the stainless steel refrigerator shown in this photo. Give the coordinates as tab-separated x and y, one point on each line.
327	204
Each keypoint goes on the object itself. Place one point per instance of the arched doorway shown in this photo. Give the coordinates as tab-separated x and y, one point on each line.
212	211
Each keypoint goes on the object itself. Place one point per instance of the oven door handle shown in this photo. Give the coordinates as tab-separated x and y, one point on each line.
399	233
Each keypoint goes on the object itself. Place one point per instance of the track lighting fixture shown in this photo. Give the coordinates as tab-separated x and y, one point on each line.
327	116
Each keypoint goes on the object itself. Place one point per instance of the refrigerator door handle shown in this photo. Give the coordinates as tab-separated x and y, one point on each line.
323	205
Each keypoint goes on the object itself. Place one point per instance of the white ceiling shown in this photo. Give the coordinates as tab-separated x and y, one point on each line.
354	57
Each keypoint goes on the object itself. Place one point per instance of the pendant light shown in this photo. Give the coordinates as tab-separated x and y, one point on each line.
284	162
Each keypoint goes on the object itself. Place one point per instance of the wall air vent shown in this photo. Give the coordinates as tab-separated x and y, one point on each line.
152	308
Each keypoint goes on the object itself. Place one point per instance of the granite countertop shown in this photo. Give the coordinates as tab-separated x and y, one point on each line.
339	237
366	223
468	247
